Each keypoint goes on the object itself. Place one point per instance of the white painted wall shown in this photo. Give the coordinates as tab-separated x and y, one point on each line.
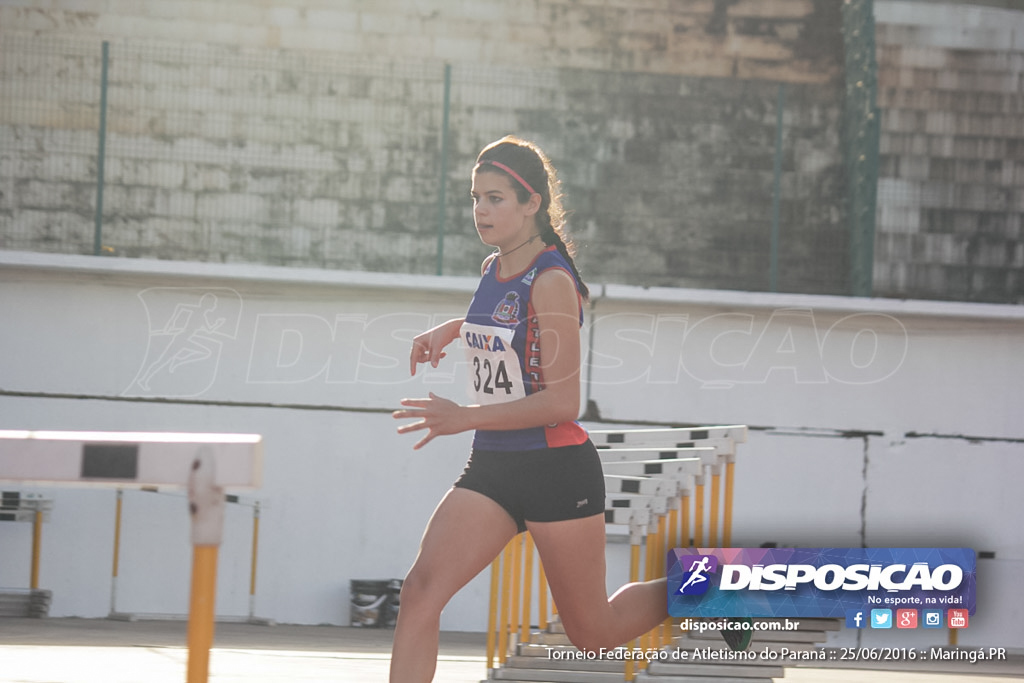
873	422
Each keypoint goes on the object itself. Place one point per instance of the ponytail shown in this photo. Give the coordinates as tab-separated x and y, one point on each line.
528	168
552	236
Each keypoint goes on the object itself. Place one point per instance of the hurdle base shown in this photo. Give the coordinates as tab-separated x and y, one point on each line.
130	617
122	616
32	603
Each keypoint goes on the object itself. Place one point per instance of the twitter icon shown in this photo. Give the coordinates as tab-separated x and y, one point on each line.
881	618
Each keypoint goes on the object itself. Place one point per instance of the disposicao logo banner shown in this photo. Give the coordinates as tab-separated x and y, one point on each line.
817	582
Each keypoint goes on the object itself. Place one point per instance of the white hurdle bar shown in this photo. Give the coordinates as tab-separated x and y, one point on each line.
205	464
127	459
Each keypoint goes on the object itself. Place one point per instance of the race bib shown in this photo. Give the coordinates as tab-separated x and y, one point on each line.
494	374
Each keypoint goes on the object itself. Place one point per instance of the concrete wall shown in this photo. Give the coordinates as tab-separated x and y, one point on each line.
872	422
950	197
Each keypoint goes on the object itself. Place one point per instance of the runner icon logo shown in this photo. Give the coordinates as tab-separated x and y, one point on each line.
695	580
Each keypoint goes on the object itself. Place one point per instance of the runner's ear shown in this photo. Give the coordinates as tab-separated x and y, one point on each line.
533	205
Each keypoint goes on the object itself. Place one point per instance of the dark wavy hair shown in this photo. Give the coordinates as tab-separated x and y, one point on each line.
533	166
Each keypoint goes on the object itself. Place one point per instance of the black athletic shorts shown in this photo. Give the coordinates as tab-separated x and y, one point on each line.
546	485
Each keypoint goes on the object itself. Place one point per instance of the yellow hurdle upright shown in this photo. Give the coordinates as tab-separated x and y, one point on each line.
510	600
542	597
670	542
37	544
716	484
506	581
698	512
684	521
201	612
524	631
730	470
517	579
636	536
492	612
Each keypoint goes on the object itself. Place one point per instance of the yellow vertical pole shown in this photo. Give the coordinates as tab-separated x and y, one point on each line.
117	550
652	545
650	575
201	608
684	520
37	543
517	577
671	542
492	612
206	506
634	576
698	514
716	483
634	563
716	480
255	552
524	633
117	531
730	468
673	528
663	547
542	596
506	580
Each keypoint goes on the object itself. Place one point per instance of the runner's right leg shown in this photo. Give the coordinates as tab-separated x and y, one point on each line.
465	533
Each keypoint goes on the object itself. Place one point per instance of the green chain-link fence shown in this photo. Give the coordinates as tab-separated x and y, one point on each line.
320	160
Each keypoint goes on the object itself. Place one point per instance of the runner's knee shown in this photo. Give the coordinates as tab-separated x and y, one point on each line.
422	590
588	635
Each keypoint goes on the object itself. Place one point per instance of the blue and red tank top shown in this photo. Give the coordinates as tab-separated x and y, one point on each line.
501	338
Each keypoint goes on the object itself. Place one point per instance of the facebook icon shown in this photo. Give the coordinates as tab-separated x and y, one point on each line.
855	618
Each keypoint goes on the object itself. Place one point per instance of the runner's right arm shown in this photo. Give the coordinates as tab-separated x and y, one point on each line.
428	347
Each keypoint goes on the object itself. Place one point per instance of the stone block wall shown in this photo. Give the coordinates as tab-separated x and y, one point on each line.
309	133
950	219
790	40
219	153
670	180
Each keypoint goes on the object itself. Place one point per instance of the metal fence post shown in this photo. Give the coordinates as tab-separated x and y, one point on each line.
444	168
773	268
861	139
97	244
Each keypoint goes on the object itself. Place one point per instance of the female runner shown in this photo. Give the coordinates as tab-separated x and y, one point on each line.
532	466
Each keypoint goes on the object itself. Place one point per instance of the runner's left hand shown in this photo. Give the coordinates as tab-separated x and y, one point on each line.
437	415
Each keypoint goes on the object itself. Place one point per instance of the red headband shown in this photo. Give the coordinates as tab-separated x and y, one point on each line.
512	173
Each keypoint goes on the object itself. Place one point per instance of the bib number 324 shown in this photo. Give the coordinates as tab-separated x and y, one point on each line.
491	379
494	375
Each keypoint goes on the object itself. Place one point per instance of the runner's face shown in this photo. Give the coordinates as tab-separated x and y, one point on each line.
501	221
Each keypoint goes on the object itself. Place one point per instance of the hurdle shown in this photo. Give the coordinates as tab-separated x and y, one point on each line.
656	481
229	499
712	449
204	464
670	476
19	507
